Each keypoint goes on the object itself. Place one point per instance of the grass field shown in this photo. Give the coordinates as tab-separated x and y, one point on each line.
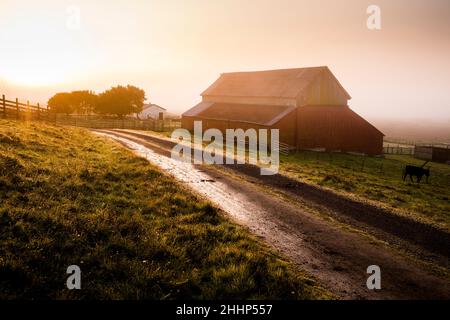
70	197
377	179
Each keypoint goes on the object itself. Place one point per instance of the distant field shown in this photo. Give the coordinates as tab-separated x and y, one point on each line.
70	197
378	179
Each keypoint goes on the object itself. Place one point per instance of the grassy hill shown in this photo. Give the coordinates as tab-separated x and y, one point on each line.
70	197
379	180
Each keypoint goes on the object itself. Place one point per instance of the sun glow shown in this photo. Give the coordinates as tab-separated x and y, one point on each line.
32	72
36	51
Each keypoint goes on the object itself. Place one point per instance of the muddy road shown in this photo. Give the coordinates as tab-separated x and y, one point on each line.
337	257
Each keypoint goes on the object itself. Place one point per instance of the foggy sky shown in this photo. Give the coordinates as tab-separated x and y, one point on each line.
175	49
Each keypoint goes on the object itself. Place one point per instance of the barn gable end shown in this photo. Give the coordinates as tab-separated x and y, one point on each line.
324	90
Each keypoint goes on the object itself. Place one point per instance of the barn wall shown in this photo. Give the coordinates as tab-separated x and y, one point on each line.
336	129
285	125
332	128
325	91
288	128
187	123
252	100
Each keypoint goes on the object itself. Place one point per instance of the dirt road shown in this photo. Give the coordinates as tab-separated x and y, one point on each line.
336	256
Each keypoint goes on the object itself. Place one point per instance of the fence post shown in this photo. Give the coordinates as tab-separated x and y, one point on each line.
17	108
38	112
28	106
4	105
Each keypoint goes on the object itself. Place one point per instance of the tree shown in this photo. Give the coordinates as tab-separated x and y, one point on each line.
61	103
83	102
121	101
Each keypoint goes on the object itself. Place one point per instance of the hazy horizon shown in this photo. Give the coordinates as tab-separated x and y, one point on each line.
175	49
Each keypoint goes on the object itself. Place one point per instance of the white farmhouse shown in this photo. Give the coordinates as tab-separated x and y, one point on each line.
152	111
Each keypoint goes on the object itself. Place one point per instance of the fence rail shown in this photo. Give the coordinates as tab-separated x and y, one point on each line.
398	150
286	148
97	122
17	109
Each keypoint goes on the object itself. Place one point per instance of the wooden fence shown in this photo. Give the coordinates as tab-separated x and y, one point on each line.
286	149
98	122
398	150
13	109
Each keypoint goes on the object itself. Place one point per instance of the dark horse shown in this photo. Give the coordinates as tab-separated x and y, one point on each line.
418	172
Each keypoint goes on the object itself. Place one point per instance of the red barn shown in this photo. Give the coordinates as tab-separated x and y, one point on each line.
308	106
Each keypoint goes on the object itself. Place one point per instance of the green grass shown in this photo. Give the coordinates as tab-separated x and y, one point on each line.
377	179
70	197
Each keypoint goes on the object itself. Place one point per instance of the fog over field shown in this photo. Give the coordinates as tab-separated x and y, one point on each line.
415	130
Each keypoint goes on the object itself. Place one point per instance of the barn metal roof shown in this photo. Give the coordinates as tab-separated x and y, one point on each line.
283	83
194	111
266	115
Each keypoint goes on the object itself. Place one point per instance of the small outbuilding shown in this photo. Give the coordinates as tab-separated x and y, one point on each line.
433	153
152	111
308	105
